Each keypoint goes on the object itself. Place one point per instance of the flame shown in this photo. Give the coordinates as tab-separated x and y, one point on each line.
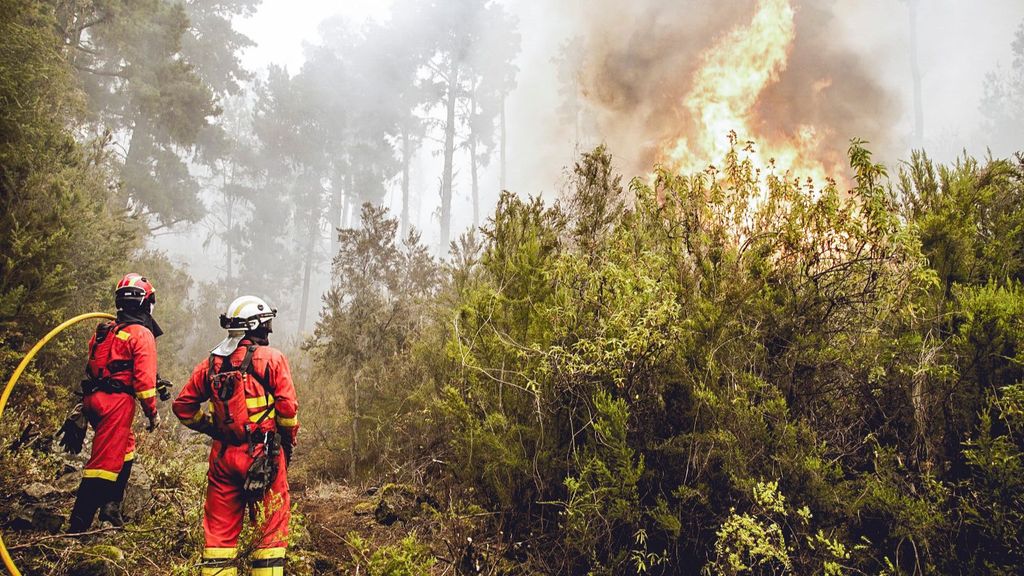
732	75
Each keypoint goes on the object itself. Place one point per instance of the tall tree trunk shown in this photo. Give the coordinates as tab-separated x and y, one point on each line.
355	428
346	202
406	153
449	153
476	182
915	71
307	268
229	208
353	203
139	144
136	167
229	256
336	218
504	135
473	163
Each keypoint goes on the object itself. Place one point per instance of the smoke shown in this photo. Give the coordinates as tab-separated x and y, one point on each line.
593	71
826	85
637	62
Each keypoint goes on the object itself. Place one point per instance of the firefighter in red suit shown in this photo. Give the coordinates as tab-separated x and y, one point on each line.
268	411
121	370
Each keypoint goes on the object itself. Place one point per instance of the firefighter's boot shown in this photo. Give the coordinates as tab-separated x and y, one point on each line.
111	512
92	494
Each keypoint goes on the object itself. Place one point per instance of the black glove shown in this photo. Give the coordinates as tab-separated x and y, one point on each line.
72	432
287	447
163	387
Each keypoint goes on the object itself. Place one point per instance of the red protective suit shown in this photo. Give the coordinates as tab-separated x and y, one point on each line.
273	405
132	348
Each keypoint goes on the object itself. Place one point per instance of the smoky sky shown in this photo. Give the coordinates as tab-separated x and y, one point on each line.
638	60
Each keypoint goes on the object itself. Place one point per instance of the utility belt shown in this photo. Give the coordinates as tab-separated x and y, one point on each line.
253	438
109	384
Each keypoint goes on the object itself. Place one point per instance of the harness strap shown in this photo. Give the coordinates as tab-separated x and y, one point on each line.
246	368
247	360
118	366
108	385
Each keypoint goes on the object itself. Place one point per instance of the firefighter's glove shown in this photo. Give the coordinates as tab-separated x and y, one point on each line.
72	432
154	422
204	425
288	447
259	478
163	388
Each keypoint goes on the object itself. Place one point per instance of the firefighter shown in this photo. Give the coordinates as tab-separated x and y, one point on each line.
121	369
252	420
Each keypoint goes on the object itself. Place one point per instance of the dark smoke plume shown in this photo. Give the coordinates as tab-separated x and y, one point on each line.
638	60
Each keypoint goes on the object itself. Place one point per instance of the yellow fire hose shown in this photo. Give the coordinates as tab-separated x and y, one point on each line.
10	386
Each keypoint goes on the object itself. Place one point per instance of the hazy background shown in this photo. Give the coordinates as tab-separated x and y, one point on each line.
635	64
958	41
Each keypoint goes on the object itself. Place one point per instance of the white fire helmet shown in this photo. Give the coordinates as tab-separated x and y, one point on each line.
243	314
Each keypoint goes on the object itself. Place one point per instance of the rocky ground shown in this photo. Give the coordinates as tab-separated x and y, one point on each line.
338	528
341	530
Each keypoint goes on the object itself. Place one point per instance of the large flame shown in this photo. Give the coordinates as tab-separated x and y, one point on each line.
732	75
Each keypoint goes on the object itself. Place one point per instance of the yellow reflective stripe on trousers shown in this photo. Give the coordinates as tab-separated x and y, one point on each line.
268	562
265	553
219	553
255	417
102	474
143	394
259	401
288	422
218	562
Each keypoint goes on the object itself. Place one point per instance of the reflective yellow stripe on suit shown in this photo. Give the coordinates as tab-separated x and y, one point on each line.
102	474
194	419
219	562
255	417
259	401
288	422
268	562
219	553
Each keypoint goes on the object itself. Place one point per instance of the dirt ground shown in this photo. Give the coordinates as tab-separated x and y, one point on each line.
335	511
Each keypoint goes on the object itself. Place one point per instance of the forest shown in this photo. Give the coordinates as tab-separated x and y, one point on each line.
707	364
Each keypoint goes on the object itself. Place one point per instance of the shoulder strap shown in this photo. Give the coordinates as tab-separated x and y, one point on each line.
245	366
264	379
247	361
